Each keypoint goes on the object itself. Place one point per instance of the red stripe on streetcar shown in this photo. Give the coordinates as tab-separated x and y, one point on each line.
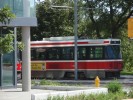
61	43
106	41
85	65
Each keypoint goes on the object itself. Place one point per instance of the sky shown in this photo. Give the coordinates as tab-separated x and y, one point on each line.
40	0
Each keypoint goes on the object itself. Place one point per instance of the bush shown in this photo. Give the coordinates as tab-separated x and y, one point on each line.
130	94
109	96
114	86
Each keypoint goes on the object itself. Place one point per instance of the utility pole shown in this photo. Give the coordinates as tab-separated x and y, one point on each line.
75	40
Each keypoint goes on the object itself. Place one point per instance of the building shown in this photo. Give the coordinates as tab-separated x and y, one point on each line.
25	18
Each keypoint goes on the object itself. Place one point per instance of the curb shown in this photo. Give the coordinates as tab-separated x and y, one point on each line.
45	96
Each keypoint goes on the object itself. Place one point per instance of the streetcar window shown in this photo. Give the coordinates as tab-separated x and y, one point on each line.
60	53
67	53
96	52
53	54
112	52
38	54
82	53
33	54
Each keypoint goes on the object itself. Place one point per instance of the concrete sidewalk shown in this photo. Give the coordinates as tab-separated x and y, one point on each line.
18	94
43	92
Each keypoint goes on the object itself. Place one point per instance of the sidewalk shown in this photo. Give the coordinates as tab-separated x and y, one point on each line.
18	94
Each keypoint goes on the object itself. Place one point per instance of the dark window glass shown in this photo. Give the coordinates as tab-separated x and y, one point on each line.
53	54
67	53
112	52
92	52
96	52
82	53
38	53
115	42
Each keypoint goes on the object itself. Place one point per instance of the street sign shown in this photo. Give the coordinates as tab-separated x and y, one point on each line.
130	27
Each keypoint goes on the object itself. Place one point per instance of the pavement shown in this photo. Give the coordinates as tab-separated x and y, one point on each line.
18	94
43	92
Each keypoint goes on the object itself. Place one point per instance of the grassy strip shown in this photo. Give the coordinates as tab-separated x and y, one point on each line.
46	82
114	93
126	73
109	96
53	83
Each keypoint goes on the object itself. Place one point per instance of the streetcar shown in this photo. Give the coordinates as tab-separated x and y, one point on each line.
53	58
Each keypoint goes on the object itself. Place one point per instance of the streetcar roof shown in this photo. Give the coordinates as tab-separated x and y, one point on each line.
83	42
95	41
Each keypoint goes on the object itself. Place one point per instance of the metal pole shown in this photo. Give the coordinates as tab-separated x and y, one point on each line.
15	58
75	38
26	66
0	62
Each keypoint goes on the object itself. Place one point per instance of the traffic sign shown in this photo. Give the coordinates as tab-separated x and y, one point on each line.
130	27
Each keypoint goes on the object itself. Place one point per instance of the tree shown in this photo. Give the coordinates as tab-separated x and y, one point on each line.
107	17
52	21
96	18
127	51
6	42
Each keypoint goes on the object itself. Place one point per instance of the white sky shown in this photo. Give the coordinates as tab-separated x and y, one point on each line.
40	0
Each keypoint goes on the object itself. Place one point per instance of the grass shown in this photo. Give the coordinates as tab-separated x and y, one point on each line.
46	82
115	93
53	83
126	73
109	96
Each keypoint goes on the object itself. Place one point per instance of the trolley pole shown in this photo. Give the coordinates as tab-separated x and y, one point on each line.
75	40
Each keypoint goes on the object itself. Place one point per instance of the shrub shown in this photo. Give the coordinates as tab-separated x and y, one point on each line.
109	96
130	94
114	86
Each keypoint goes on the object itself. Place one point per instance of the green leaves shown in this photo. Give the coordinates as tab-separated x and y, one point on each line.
20	46
6	15
6	43
53	21
114	86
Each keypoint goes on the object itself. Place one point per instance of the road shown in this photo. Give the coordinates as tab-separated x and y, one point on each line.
125	80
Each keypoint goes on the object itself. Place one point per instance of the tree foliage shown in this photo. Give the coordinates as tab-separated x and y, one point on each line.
107	17
6	42
96	18
6	15
52	21
127	52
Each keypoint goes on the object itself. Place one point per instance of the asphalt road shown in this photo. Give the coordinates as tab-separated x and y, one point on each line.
125	80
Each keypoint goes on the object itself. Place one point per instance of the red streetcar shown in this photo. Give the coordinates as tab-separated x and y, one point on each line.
54	58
